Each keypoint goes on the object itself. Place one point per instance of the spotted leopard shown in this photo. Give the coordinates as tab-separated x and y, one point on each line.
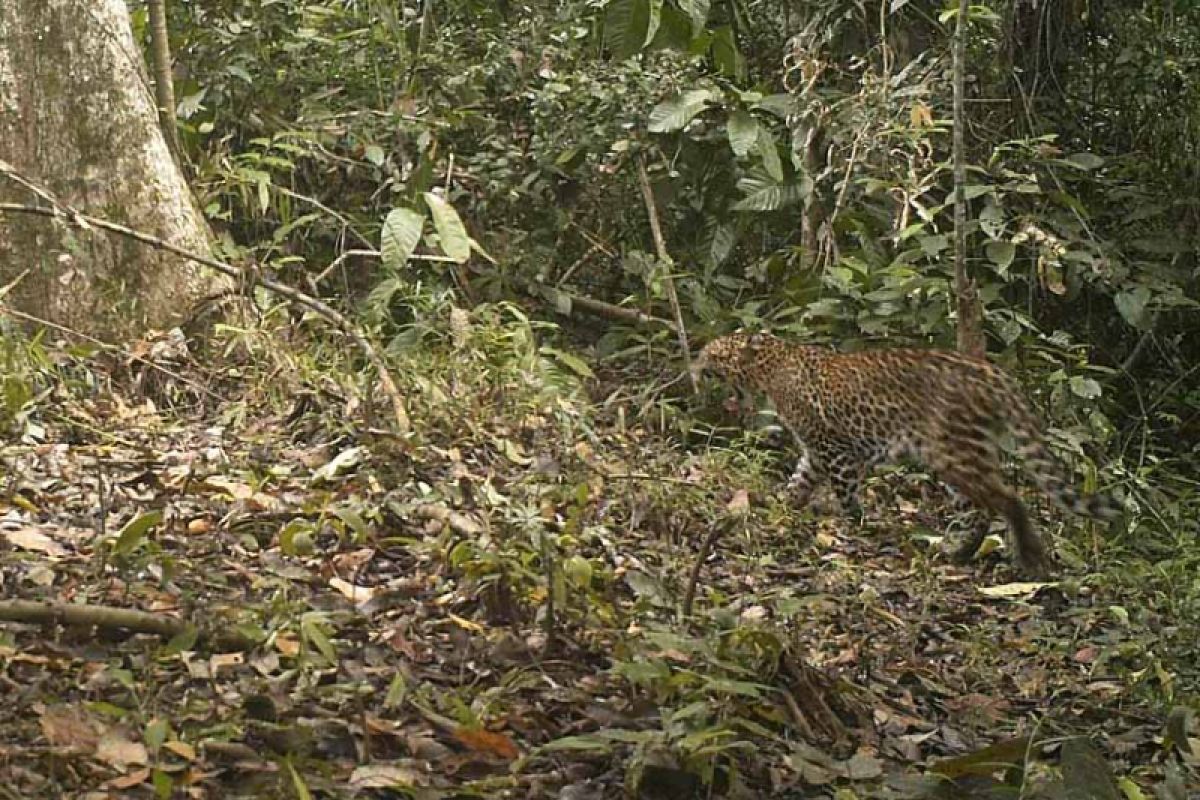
850	412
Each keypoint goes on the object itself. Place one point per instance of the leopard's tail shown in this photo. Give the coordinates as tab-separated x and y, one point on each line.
1050	474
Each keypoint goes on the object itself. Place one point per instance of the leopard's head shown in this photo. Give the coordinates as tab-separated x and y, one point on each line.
735	357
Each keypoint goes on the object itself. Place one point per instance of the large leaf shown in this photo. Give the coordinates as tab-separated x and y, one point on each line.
726	55
625	25
1132	306
678	110
1001	253
775	196
697	10
770	154
399	237
135	531
743	132
653	21
451	232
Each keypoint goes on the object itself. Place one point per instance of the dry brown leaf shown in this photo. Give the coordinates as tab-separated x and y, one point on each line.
181	749
353	592
69	727
117	751
129	781
484	741
35	539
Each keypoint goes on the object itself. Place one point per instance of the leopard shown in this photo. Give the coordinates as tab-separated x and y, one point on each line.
849	412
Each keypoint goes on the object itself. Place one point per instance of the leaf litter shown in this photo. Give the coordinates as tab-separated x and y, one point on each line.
497	614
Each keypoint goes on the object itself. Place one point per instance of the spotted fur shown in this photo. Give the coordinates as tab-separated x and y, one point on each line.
852	411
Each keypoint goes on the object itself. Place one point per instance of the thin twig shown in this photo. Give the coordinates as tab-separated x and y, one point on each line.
63	212
668	280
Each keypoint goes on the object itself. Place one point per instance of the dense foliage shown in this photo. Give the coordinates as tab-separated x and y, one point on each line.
466	180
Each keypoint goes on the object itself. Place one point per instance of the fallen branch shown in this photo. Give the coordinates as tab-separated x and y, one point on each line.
65	213
83	615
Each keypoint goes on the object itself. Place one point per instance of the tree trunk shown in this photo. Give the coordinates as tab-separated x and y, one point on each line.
77	118
966	293
164	84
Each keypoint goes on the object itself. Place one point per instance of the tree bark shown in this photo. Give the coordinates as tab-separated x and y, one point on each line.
966	293
76	118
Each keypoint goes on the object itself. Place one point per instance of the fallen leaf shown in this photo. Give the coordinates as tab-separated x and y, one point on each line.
484	741
68	727
34	539
399	775
353	592
118	751
130	780
1018	589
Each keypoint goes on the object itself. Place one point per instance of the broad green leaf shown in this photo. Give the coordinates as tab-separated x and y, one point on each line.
781	105
1001	253
570	361
653	21
374	153
743	132
578	571
775	197
399	237
1086	388
184	640
678	110
625	26
451	233
770	154
135	531
1085	161
1132	306
726	55
721	243
674	32
697	10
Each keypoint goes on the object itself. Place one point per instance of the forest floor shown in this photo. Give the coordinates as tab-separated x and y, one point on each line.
497	614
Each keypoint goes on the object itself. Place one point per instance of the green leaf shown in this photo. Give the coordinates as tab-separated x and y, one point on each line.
451	233
401	232
1086	388
780	105
770	154
1001	253
726	55
1132	306
302	792
678	110
135	531
1085	161
374	153
697	10
184	640
570	361
721	243
743	132
316	636
653	21
775	196
625	26
578	571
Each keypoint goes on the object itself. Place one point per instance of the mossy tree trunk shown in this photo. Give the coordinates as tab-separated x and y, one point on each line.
77	118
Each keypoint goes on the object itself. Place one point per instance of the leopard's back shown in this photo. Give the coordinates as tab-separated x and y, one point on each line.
941	407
